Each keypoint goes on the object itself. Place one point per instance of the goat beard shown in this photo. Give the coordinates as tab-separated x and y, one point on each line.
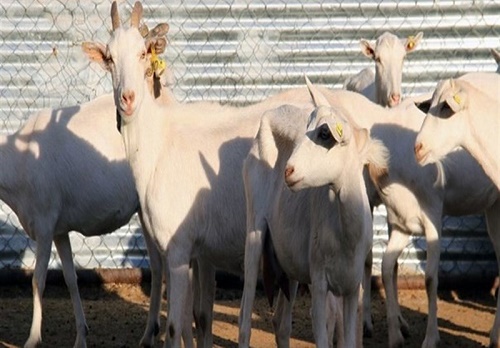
118	121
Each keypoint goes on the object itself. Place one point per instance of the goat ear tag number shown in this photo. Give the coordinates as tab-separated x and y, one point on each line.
157	65
339	129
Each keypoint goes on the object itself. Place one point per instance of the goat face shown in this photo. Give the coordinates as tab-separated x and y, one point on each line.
388	53
443	125
127	56
320	157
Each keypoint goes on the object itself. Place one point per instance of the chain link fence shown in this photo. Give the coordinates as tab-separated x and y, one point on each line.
239	51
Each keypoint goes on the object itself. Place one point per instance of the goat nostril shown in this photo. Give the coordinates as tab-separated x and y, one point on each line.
289	171
128	97
396	97
418	147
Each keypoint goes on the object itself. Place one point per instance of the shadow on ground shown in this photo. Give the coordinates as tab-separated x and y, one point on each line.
116	315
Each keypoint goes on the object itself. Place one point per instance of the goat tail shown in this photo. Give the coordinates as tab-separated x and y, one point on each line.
377	159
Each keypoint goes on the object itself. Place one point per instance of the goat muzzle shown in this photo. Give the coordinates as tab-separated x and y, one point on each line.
395	99
418	149
289	180
127	102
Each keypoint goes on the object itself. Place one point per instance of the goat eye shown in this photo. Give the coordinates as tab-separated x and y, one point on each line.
322	136
324	133
377	60
143	55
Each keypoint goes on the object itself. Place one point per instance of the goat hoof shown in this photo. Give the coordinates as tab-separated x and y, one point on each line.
398	343
405	330
367	331
404	327
147	339
32	343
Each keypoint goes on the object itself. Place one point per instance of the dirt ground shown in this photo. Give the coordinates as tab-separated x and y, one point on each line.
116	315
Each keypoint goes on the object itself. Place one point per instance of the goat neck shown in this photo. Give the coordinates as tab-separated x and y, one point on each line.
353	201
482	139
143	137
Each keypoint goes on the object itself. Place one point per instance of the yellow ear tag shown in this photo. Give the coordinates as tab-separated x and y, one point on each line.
457	99
411	42
339	129
158	65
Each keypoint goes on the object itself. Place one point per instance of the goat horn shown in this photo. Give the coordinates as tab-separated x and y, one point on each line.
318	98
136	15
115	18
452	83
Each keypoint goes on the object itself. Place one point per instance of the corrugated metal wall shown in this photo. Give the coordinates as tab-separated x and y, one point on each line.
240	51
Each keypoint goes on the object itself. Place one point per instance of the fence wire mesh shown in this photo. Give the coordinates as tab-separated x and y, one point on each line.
239	51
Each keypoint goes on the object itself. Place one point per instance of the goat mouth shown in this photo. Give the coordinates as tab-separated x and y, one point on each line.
127	111
393	103
423	158
292	183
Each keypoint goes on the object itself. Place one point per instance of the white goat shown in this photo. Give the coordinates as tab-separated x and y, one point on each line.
496	55
464	116
65	170
414	203
388	52
383	88
363	82
322	235
191	191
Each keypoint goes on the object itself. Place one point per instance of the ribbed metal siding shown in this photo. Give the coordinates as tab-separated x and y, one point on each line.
241	52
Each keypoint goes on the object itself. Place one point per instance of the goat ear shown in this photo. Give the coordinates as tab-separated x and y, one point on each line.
96	52
160	30
160	45
412	42
458	101
339	131
367	48
156	37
